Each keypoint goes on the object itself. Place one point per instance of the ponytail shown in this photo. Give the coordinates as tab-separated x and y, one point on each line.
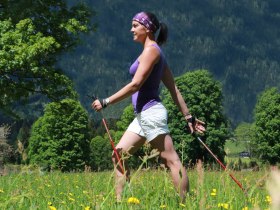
163	33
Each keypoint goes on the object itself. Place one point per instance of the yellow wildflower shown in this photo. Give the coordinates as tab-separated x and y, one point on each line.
71	199
50	205
253	200
162	206
1	191
87	208
182	205
223	205
133	200
214	192
268	199
245	208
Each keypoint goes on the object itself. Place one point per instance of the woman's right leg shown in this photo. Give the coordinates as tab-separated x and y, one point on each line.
129	143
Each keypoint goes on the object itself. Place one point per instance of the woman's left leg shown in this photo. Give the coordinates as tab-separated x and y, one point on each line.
164	144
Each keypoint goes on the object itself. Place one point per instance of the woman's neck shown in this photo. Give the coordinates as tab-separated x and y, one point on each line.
149	42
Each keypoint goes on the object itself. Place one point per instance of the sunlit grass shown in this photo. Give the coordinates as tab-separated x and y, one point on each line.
149	189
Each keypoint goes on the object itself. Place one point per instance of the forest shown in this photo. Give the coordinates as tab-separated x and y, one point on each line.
237	41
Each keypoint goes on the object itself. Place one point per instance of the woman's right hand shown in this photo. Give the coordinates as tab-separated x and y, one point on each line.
96	105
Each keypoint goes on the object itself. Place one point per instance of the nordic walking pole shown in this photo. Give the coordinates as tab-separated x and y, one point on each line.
221	164
110	138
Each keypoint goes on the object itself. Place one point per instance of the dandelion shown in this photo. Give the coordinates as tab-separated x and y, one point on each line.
214	192
133	200
52	208
87	208
223	205
71	199
50	205
245	208
162	206
268	199
182	205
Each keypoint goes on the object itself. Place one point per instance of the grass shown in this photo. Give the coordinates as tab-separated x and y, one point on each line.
149	189
234	148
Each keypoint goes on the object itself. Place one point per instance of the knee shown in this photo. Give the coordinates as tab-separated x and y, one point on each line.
116	155
173	163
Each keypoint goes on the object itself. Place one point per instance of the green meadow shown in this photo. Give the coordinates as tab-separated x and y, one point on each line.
148	189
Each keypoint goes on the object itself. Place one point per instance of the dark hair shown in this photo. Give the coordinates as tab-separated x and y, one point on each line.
162	27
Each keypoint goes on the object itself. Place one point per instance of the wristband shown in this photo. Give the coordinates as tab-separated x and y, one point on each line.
105	102
191	120
187	114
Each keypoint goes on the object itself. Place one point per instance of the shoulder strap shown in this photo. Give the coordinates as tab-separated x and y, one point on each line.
155	45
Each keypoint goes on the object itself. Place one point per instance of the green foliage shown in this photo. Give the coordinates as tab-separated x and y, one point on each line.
204	98
101	152
58	19
126	118
23	53
267	126
59	139
33	34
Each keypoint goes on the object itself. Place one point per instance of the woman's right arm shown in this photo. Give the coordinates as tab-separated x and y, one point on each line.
149	58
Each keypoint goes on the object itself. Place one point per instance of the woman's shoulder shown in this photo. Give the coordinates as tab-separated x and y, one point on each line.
153	49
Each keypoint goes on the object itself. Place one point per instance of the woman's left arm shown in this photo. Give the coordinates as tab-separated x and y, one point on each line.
168	81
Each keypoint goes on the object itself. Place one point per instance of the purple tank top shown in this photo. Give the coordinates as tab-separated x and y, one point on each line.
148	94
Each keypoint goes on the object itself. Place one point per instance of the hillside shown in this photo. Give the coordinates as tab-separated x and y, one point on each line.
237	41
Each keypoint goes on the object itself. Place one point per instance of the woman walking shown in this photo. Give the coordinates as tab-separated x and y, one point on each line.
150	123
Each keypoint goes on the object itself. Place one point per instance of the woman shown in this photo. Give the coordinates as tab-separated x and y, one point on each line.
150	123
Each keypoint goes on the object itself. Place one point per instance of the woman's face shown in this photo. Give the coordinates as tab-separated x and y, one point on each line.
139	31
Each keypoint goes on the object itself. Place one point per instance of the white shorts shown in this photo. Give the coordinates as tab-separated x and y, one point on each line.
150	123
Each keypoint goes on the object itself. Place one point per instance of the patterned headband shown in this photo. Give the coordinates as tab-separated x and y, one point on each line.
143	18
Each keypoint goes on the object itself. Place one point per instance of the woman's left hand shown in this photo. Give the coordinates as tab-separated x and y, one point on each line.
196	125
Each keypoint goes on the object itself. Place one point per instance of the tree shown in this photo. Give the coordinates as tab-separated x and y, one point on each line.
101	153
6	150
203	96
26	66
60	138
126	118
33	34
267	126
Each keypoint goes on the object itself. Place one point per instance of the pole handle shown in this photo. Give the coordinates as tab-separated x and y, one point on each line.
93	97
